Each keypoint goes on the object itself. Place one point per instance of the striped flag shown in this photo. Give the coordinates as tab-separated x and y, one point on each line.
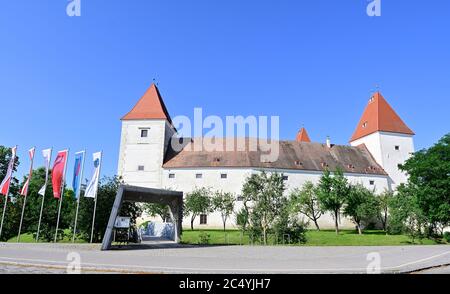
24	191
47	153
4	186
91	190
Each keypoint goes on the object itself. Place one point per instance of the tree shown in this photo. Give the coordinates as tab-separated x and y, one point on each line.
266	194
429	183
224	203
106	195
383	208
157	209
332	192
198	202
305	201
361	205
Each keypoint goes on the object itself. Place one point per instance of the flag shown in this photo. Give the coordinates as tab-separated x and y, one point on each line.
4	186
24	191
47	153
58	171
77	171
91	190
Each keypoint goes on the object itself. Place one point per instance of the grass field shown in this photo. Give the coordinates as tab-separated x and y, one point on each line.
314	238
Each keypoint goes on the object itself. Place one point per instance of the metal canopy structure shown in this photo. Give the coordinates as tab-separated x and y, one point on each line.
173	199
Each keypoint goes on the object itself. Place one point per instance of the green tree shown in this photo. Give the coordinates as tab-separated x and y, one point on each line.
305	201
332	192
266	194
429	183
198	202
383	208
224	203
157	209
106	195
361	206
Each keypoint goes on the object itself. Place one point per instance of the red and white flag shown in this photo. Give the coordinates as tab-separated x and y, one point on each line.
58	172
4	186
24	191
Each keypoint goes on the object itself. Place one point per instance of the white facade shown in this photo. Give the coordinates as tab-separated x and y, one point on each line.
389	150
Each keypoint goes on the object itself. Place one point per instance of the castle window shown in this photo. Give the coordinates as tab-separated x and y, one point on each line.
397	147
223	176
171	176
198	176
203	219
140	168
240	198
372	182
285	178
144	133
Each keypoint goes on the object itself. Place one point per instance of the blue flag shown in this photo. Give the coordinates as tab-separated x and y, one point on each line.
77	173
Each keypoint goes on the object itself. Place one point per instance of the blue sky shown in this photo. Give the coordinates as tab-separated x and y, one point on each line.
65	82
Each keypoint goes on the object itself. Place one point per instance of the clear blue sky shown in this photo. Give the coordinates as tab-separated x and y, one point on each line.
65	82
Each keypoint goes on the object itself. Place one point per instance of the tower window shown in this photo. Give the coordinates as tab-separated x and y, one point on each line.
140	168
144	133
198	176
203	219
171	176
364	125
397	147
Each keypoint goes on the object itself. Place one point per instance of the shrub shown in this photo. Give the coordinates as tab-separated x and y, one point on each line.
447	237
204	238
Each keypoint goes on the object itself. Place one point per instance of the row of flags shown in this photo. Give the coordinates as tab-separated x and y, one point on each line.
58	183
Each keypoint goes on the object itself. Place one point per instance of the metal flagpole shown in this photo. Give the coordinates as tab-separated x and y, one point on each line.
25	198
43	196
62	195
6	196
96	193
78	197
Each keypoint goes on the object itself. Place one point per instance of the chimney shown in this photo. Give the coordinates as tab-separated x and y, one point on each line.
328	142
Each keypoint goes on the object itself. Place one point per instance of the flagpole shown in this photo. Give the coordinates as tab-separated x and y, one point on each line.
96	193
25	197
7	193
78	197
43	196
61	195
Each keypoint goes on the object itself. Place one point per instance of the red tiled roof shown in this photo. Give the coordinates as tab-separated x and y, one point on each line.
379	116
302	136
150	106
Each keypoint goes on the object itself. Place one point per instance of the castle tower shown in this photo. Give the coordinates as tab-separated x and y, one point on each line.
302	136
386	136
146	131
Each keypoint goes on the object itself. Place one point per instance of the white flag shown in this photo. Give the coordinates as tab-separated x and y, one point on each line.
47	153
91	189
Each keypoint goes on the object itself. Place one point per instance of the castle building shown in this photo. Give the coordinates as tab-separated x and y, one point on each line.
147	158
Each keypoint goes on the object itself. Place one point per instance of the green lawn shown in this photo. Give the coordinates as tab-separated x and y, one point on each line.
314	238
28	238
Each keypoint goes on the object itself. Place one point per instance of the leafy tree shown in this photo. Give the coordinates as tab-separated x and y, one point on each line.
266	194
224	203
106	195
383	207
332	192
198	202
157	209
361	206
305	201
429	183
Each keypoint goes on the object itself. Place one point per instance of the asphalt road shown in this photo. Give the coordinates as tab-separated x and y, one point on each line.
56	258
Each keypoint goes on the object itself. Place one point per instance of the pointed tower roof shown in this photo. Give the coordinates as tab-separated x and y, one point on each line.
150	106
379	116
302	136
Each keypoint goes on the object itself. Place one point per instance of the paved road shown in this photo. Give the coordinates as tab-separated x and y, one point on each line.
221	259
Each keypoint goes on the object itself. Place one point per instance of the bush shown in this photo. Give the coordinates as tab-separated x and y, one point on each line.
447	237
204	238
